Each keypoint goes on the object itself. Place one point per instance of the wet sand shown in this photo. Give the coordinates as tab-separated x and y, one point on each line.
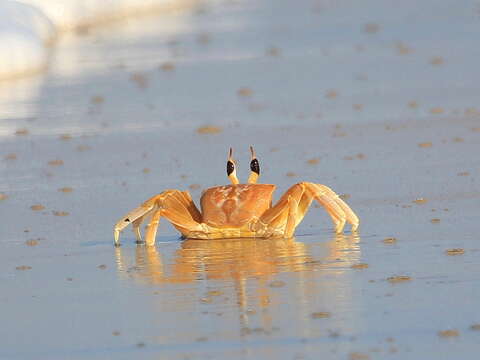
380	105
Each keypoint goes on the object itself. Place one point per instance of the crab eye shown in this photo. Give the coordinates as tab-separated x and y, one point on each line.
230	167
255	166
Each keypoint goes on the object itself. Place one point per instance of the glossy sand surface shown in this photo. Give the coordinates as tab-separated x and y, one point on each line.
379	104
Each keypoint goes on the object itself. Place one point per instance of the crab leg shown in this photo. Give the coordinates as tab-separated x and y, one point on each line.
135	217
351	217
293	205
284	216
292	217
151	231
174	205
334	210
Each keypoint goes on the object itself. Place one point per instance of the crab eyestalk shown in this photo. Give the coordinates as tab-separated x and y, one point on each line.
231	171
254	168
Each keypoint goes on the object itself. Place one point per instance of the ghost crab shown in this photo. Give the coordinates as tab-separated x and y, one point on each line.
236	210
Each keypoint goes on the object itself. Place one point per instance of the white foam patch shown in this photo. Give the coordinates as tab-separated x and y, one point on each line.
24	33
27	27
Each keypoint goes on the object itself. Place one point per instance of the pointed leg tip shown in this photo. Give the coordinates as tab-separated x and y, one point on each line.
116	235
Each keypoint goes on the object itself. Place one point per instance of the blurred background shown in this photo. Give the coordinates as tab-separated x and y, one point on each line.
104	104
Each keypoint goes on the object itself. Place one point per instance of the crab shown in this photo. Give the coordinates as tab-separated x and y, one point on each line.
236	210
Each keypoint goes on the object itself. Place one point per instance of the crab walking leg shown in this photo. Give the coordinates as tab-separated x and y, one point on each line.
136	228
328	202
283	214
179	218
136	217
176	209
292	217
152	227
351	217
190	206
167	199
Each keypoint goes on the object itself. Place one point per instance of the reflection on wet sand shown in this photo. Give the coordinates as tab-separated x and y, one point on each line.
237	260
241	281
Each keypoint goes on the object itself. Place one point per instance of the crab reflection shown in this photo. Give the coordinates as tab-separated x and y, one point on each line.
242	271
236	259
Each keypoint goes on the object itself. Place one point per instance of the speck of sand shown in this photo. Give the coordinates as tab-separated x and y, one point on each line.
398	279
471	111
167	66
313	161
140	80
277	284
201	339
357	107
23	267
457	251
102	266
320	315
140	345
344	196
331	94
66	189
371	28
214	293
37	207
290	174
97	99
475	327
273	51
420	201
194	187
358	356
209	129
245	92
3	196
60	213
206	300
65	137
146	170
458	139
476	129
204	38
437	60
11	156
437	110
448	333
435	221
83	147
22	132
56	162
359	266
31	242
116	333
463	173
413	104
425	144
403	49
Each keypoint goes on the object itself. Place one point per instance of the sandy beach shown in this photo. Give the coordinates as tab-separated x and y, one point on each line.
378	100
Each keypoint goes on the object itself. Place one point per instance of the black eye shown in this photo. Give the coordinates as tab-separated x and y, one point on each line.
255	166
230	167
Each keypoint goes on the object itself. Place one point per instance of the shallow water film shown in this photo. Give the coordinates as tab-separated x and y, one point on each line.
376	99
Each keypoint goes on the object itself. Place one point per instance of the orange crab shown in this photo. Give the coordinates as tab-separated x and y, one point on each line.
236	210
